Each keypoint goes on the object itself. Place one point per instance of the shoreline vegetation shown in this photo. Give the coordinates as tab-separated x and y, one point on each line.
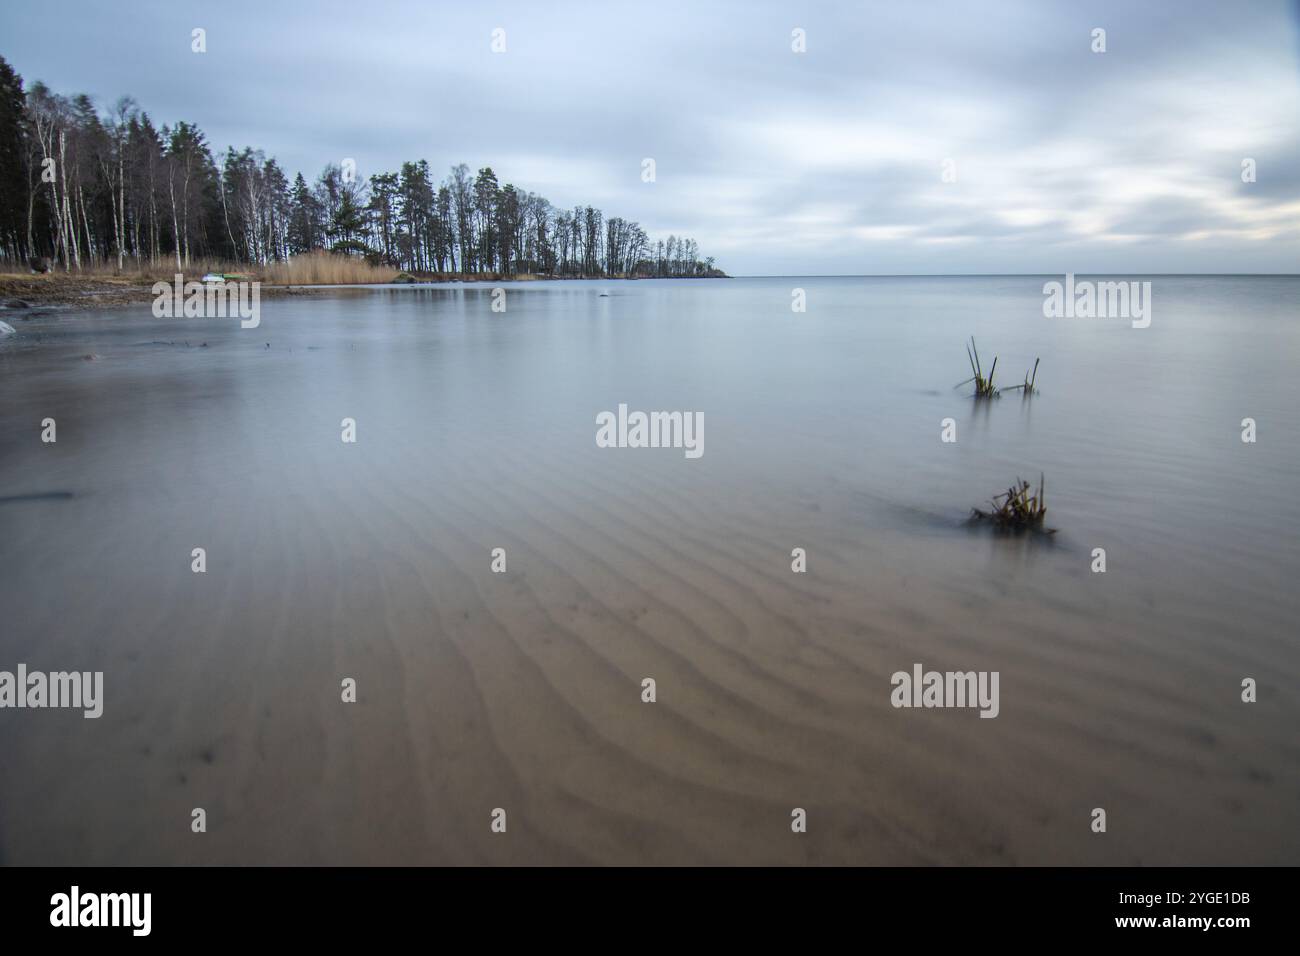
105	196
102	285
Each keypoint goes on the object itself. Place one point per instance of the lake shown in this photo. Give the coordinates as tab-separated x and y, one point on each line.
523	690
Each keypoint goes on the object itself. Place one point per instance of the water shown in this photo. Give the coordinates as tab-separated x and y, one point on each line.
522	690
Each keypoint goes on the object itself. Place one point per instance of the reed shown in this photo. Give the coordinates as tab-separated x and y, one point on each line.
142	270
311	268
983	386
1017	509
326	268
1028	385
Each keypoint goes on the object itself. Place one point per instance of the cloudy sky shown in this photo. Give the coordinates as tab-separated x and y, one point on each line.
826	162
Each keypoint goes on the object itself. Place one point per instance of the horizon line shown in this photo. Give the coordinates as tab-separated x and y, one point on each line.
1009	275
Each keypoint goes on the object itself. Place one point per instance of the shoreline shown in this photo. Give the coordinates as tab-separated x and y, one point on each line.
20	292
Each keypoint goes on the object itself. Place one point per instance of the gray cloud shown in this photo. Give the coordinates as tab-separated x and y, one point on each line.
825	162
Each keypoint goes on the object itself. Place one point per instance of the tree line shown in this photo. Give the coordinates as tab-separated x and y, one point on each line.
79	188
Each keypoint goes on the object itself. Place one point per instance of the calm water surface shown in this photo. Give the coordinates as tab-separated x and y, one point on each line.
477	690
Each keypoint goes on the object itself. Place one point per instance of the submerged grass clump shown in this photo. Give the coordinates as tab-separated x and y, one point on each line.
1017	509
984	387
1028	385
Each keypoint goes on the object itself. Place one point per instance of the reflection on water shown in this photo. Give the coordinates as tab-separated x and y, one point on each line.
476	430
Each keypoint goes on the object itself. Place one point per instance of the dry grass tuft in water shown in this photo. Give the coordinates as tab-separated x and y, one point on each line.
1017	509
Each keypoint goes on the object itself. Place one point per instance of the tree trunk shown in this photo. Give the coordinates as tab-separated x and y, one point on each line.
176	229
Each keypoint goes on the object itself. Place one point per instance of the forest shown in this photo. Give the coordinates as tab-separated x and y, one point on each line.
84	189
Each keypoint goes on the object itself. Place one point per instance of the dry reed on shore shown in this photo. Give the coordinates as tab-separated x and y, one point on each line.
326	268
311	268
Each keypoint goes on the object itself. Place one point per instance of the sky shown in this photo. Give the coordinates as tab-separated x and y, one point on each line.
827	162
